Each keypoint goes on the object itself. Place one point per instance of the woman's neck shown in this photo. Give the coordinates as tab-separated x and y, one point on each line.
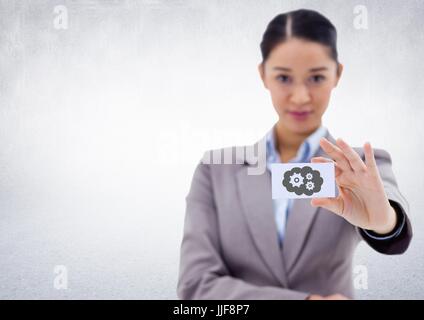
289	141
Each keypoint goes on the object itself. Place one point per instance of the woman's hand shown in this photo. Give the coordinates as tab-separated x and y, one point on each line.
362	200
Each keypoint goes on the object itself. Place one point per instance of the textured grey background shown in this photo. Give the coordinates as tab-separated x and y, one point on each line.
101	125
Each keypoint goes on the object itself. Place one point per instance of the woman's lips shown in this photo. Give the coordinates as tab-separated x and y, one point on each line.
299	115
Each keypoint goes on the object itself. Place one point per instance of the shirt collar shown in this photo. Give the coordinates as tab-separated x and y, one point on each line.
308	148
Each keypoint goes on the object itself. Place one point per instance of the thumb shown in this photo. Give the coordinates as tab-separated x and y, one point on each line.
332	204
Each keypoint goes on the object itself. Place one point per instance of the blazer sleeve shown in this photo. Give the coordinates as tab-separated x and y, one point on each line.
203	273
398	241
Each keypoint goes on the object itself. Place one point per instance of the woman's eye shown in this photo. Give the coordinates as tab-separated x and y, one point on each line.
317	78
283	78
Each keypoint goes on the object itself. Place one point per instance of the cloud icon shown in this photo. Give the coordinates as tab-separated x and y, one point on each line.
303	180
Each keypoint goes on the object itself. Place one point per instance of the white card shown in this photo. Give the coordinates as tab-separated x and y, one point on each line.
303	180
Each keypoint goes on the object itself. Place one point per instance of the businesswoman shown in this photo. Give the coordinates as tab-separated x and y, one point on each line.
238	242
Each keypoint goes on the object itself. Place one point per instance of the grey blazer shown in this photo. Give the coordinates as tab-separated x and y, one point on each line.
230	246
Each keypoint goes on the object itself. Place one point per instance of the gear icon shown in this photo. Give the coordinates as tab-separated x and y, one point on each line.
310	185
302	180
296	179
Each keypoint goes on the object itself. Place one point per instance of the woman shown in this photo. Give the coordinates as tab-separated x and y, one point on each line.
238	243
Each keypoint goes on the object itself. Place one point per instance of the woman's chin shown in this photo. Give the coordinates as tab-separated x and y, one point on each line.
301	127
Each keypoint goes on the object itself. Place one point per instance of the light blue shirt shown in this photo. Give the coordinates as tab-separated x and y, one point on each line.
307	149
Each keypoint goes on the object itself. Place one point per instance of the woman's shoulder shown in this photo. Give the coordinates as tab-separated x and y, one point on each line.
235	155
216	172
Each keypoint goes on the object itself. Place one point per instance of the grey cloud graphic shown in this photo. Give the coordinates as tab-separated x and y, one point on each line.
303	180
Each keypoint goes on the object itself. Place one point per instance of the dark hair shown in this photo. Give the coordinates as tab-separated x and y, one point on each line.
304	24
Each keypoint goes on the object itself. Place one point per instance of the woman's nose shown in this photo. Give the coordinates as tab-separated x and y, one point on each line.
300	95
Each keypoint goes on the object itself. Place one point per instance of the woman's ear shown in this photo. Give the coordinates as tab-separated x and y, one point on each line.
261	69
339	73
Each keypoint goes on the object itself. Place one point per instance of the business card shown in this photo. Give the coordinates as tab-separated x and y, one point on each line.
303	180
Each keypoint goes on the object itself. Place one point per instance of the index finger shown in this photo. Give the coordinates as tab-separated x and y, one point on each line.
353	157
335	153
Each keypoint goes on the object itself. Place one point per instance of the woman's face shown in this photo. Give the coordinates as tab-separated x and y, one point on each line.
300	76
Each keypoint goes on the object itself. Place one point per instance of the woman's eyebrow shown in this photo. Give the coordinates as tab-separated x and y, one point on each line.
310	70
318	69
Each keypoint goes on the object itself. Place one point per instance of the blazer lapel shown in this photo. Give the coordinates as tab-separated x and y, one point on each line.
300	220
256	200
